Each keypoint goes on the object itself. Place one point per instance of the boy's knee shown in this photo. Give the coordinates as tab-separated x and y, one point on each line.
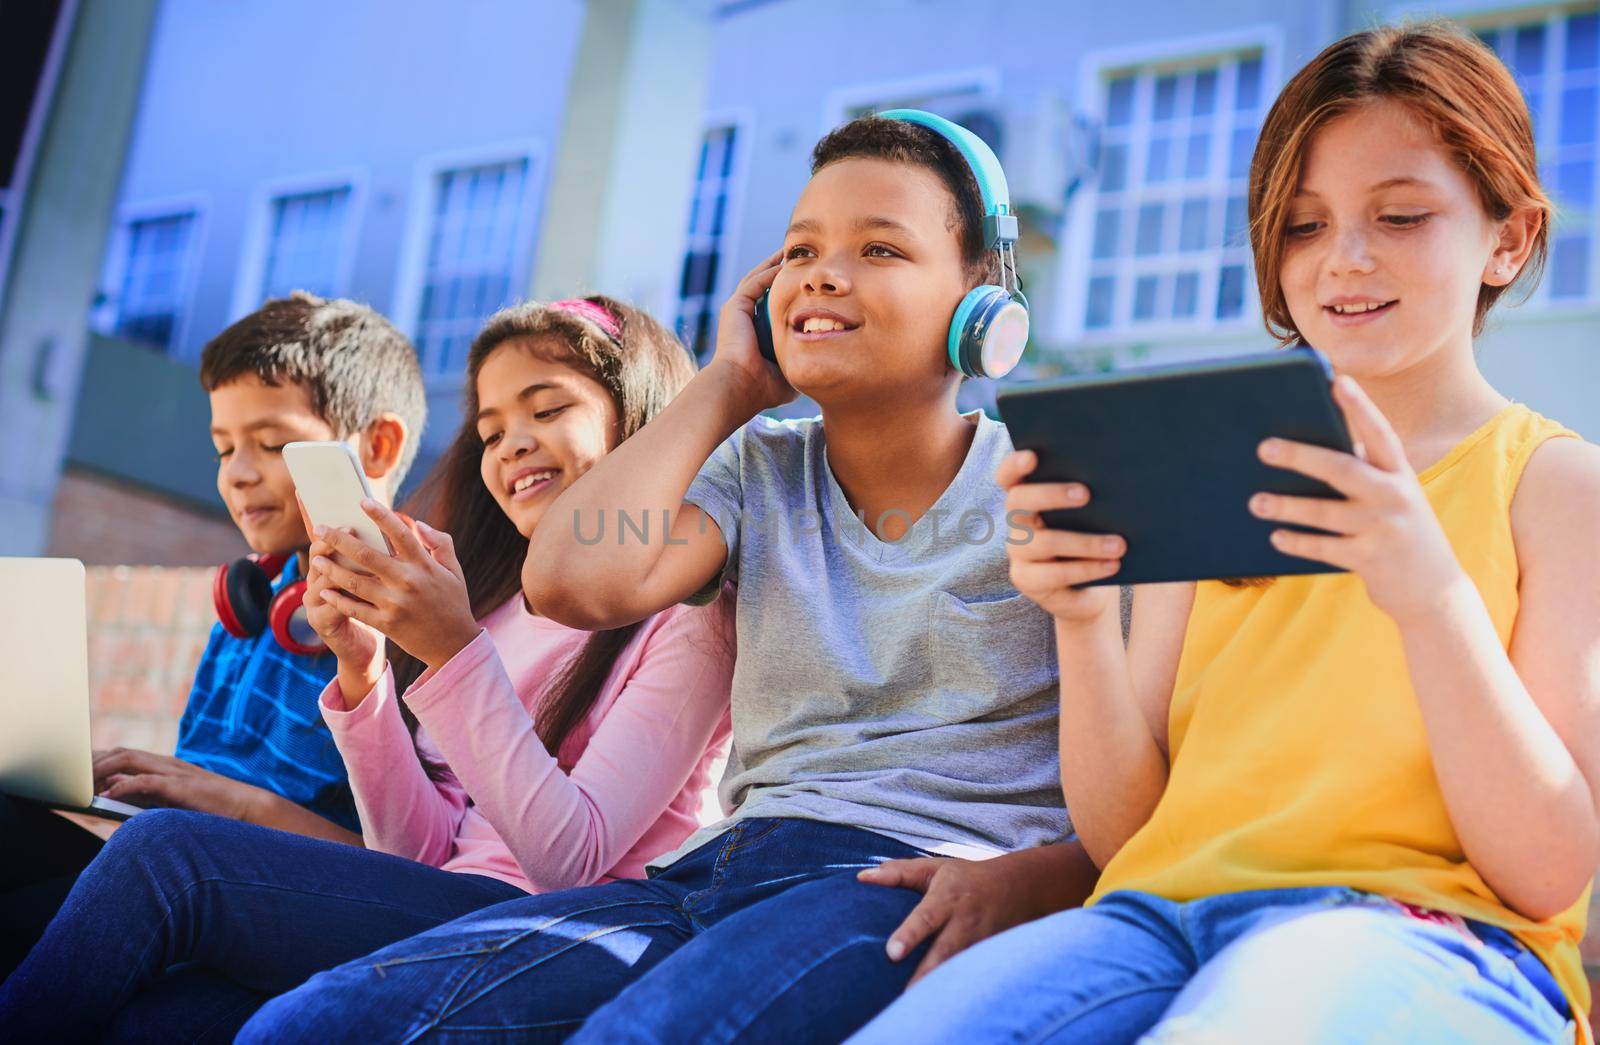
154	831
166	839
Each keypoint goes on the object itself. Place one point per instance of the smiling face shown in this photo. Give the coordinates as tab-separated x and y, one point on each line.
250	422
872	272
543	423
1387	244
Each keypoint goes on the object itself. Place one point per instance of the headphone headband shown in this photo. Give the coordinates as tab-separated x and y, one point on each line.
999	224
989	330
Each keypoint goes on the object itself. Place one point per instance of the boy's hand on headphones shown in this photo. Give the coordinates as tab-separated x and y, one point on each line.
1384	530
1047	565
737	352
417	596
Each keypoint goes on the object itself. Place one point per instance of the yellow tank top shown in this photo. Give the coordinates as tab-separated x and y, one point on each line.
1298	752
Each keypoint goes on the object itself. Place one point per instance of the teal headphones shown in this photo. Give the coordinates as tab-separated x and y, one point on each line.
990	327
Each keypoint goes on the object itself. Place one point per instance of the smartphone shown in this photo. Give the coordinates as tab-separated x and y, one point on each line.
763	322
329	480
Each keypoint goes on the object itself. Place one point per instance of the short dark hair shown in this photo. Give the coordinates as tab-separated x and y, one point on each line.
354	364
898	141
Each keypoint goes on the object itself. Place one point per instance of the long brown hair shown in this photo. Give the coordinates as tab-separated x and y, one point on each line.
1451	82
643	368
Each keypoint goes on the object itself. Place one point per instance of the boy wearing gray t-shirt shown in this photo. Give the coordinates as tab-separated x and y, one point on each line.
894	697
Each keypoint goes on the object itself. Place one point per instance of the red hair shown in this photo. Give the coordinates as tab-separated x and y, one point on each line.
1453	84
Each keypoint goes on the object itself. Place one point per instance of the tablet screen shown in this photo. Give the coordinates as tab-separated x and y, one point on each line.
1169	456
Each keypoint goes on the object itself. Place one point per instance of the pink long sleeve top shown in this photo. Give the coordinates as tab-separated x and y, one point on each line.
626	786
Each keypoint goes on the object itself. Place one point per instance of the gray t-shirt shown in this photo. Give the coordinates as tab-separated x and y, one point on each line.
903	687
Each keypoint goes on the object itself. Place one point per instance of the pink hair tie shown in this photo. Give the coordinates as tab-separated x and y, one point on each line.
595	314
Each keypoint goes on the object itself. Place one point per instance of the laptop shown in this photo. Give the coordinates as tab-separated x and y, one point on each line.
44	688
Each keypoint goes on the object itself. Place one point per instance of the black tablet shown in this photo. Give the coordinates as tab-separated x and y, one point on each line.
1169	456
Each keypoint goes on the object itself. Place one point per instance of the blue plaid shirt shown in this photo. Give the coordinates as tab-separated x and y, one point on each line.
252	715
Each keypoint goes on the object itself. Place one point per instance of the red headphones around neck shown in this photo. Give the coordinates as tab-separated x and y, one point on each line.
242	592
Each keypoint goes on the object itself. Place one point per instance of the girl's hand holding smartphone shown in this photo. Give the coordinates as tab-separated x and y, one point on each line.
417	596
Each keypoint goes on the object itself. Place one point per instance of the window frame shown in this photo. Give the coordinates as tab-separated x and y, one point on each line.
249	286
1146	62
740	121
107	313
1503	18
982	81
411	270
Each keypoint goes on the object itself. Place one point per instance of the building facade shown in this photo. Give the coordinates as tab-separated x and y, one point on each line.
438	161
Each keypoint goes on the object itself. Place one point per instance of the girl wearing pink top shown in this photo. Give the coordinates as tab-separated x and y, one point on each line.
492	752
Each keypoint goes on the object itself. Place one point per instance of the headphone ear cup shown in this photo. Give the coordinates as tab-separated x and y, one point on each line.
289	625
241	593
996	335
956	339
988	332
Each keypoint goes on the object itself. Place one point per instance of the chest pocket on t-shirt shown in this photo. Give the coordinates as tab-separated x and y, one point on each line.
987	655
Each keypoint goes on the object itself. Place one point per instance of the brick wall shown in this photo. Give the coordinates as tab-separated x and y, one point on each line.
106	521
147	628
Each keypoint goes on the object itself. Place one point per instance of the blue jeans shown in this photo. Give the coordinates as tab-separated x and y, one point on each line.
762	934
185	923
1302	965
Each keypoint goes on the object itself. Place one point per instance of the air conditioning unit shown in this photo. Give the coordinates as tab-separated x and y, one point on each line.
1050	153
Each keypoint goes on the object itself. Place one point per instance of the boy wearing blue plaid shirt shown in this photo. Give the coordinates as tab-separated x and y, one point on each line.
252	744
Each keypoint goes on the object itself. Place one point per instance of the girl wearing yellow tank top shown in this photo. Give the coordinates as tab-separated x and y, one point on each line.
1352	806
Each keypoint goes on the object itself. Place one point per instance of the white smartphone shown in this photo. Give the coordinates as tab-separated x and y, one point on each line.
331	485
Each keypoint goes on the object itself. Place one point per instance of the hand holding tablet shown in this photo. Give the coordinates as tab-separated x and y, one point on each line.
1169	457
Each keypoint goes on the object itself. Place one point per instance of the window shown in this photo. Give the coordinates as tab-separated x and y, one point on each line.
707	242
1556	62
306	243
153	290
970	105
1168	244
472	258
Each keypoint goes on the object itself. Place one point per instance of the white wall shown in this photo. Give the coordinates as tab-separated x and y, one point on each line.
237	96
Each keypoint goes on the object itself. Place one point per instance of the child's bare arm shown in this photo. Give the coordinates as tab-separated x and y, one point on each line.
1155	644
272	810
586	569
1113	757
144	778
1518	751
1113	735
1514	736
